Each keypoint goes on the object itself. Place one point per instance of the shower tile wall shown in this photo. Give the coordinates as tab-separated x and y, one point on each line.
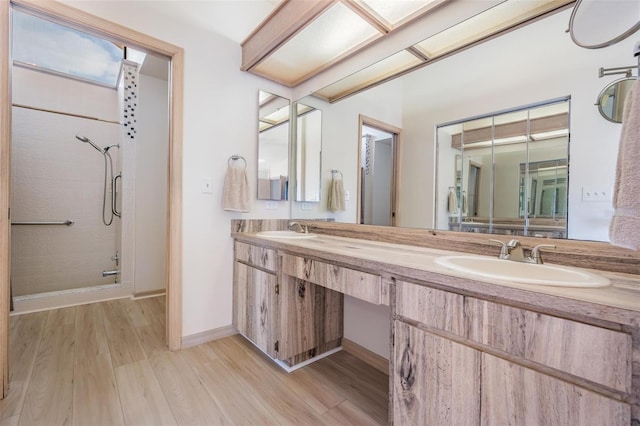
56	177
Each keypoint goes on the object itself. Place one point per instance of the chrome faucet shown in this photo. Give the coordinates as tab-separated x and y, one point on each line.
301	228
513	251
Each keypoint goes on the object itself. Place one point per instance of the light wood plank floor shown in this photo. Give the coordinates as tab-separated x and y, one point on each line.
106	364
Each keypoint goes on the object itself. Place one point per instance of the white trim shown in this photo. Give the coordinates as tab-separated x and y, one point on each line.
288	369
208	336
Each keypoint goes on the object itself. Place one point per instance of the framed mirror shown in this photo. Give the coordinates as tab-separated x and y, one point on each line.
273	147
611	99
510	172
308	153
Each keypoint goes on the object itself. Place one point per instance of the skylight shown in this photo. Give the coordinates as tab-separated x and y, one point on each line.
48	46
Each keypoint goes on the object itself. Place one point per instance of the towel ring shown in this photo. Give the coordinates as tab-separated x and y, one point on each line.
333	172
236	158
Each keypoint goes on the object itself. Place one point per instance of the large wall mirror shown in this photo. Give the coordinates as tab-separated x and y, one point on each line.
273	147
505	173
506	72
308	152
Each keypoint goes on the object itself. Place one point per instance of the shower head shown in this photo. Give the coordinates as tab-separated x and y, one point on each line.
87	140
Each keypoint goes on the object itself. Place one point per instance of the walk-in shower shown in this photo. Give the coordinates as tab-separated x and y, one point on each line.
109	179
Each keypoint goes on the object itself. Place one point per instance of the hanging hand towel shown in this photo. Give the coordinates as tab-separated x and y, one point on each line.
624	229
335	198
235	195
452	202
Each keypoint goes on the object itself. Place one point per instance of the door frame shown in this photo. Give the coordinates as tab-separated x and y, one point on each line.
92	24
363	120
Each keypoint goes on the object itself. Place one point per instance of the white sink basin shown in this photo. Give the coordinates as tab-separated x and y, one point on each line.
286	235
527	273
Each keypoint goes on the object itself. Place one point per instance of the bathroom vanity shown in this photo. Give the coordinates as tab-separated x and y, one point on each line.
463	349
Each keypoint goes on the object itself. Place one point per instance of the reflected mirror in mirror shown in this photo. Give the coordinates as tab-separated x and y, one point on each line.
308	153
273	147
611	100
508	172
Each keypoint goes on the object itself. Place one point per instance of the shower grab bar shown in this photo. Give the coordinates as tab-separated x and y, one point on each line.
67	222
114	195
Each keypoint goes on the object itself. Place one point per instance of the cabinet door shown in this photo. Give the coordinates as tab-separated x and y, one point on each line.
311	316
515	395
436	381
256	306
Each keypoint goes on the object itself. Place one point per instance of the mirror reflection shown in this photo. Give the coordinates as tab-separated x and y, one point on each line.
308	152
611	100
273	147
506	173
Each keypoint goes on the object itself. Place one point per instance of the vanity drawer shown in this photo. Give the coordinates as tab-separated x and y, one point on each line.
256	256
593	353
361	285
435	308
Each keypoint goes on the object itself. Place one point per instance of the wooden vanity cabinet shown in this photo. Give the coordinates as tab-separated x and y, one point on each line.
462	360
289	319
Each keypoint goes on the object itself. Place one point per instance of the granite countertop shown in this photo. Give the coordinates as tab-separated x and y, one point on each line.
617	303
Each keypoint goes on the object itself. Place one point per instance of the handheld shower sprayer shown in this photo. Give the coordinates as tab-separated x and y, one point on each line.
108	177
87	140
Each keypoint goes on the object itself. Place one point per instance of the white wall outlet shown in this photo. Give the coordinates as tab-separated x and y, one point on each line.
271	205
207	185
592	194
347	195
306	206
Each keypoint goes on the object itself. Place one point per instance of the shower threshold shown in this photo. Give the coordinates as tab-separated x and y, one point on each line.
65	298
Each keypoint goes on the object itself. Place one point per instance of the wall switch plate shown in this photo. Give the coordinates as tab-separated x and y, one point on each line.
207	185
592	194
306	206
347	195
271	205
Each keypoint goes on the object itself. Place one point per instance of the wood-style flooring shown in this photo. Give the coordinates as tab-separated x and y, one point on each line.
106	364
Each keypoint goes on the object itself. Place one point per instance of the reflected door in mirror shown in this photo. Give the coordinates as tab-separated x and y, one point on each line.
273	147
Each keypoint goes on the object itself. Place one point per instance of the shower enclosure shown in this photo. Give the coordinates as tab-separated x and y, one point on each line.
66	197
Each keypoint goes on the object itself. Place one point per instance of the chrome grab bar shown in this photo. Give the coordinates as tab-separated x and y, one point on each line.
114	195
67	222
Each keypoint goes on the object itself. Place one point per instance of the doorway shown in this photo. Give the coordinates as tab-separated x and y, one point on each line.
88	23
378	173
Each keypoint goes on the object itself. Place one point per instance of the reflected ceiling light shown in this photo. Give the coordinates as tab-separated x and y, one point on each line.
550	135
481	27
376	73
492	21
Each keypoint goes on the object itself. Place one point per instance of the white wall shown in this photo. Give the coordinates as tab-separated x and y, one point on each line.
532	64
152	153
220	110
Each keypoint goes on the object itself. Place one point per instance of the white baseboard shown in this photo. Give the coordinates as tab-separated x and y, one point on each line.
208	336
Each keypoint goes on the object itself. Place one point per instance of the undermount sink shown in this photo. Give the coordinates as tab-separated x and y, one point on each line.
526	273
286	235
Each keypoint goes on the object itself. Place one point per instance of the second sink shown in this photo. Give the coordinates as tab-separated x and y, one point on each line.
527	273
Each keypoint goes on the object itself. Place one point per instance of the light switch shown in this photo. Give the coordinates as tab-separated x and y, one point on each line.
207	186
347	195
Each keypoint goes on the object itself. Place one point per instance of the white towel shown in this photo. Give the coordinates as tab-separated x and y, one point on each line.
624	229
235	194
452	202
335	198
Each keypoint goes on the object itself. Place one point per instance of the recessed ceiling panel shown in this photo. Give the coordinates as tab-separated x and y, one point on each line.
397	11
394	64
500	17
332	35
